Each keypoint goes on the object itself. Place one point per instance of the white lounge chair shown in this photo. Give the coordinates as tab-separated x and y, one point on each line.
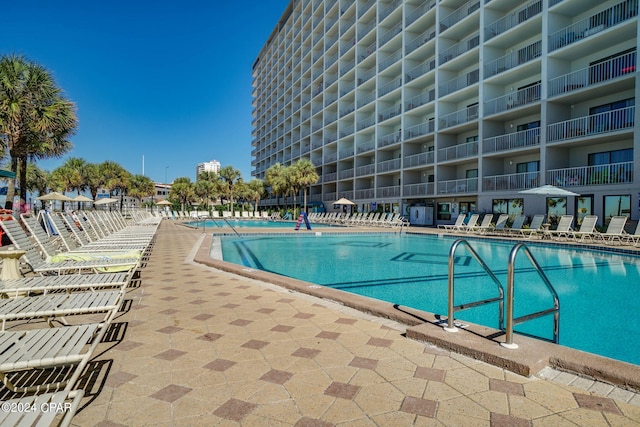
473	221
535	227
44	348
615	231
564	229
456	226
484	226
587	228
516	227
45	409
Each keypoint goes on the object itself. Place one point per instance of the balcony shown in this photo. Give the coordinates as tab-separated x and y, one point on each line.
388	165
459	82
346	174
419	130
422	189
420	70
363	147
514	18
390	138
519	98
512	141
458	186
512	60
364	193
595	124
460	48
618	66
390	191
614	173
329	177
595	24
459	14
509	182
418	100
420	159
389	113
388	35
460	151
365	170
420	40
390	86
420	10
459	117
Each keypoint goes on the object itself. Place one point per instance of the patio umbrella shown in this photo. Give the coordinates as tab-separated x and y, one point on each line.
549	191
343	202
82	199
164	203
55	196
105	201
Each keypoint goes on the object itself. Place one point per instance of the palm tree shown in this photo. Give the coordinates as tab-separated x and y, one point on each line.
205	190
92	178
181	191
75	170
37	179
141	186
276	179
304	174
230	176
35	118
255	192
115	178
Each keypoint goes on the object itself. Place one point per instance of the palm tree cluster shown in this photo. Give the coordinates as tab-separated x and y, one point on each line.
290	180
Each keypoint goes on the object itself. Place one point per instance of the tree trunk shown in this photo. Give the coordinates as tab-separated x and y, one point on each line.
11	186
23	178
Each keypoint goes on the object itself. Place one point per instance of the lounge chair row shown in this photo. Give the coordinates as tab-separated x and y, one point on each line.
371	219
615	232
41	366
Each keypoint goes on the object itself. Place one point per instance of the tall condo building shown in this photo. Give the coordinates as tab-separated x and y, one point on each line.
455	105
212	166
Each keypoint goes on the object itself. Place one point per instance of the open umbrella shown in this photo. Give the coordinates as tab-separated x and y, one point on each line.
549	191
343	202
164	203
105	201
82	198
55	196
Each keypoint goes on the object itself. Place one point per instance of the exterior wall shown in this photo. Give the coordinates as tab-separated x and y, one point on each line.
440	102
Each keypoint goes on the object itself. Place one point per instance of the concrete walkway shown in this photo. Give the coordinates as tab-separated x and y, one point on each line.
201	347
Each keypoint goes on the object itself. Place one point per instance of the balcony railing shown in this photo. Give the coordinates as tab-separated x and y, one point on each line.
365	98
423	38
329	177
390	138
514	181
365	123
388	35
458	117
418	100
459	14
609	121
522	97
459	82
364	193
419	130
420	10
422	189
457	186
390	86
460	151
388	165
613	173
513	59
389	112
386	10
594	24
388	61
420	69
365	170
618	66
459	48
511	141
346	174
391	191
514	18
420	159
366	146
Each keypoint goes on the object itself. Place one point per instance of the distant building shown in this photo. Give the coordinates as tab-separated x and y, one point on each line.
212	166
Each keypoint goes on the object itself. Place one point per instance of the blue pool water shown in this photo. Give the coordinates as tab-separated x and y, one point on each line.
598	291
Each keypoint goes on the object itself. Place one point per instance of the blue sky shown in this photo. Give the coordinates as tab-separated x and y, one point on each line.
167	80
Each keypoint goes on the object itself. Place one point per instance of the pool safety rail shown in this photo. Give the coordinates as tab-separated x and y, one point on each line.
510	320
232	227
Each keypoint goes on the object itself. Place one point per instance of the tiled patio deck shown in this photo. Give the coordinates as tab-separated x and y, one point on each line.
202	347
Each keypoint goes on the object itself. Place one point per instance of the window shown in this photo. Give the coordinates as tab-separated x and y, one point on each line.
556	207
612	116
612	66
584	207
608	157
528	93
513	207
617	206
444	211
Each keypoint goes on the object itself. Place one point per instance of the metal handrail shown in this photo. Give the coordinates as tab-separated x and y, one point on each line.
510	280
451	308
232	227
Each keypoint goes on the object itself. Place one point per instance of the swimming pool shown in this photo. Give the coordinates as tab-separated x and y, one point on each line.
597	289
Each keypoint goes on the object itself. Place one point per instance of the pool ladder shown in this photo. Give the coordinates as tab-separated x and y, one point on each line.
510	321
